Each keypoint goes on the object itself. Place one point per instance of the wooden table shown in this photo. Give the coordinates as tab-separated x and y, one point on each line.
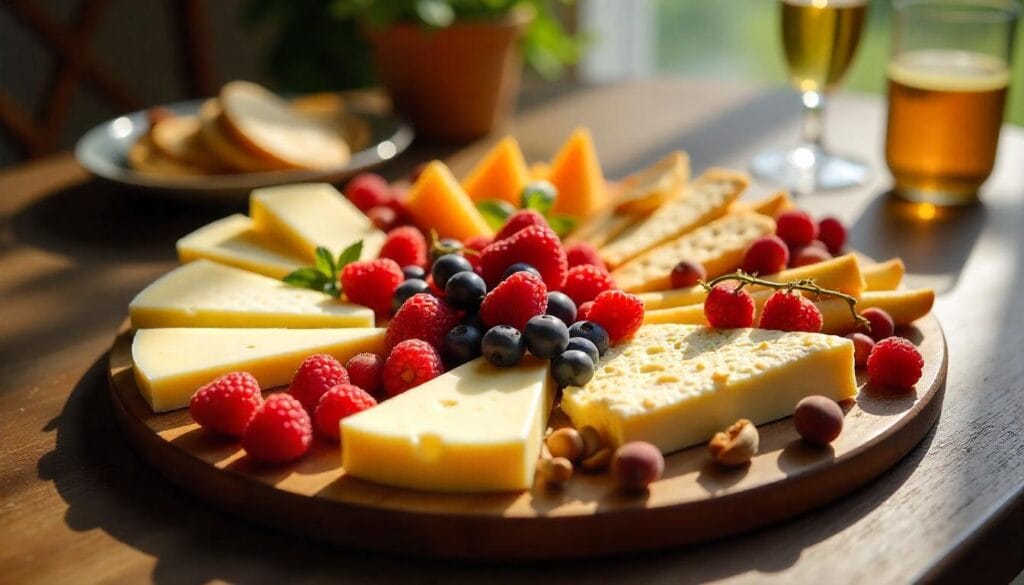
79	506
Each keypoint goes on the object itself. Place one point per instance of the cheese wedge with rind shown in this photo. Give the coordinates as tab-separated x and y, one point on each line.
171	364
476	428
207	294
705	199
306	215
235	242
719	246
677	385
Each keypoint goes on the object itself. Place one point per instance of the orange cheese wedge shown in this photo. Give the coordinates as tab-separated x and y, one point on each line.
436	201
576	173
501	174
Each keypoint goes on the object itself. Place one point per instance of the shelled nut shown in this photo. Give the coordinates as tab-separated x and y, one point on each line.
736	445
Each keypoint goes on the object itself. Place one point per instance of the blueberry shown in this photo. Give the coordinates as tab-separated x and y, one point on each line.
586	346
461	344
445	246
572	368
465	290
561	306
406	290
503	346
593	332
413	271
474	320
520	267
546	336
448	266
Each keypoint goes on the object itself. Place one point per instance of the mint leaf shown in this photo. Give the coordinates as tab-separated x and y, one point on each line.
561	224
332	288
495	212
539	196
350	255
325	262
307	277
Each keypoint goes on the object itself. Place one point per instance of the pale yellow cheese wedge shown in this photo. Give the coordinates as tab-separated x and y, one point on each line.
171	364
677	385
841	274
771	205
234	241
477	428
705	199
719	246
207	294
883	275
308	215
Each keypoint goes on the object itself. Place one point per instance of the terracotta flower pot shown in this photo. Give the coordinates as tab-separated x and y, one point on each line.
455	83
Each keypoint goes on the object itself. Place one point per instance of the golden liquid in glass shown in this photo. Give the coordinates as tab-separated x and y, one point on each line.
945	110
820	38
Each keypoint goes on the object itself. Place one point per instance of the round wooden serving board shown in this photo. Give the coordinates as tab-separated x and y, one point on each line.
695	500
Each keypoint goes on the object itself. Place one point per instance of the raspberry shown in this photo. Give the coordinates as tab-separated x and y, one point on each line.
410	364
766	255
686	274
537	246
796	228
620	313
790	311
406	246
728	306
583	311
280	430
424	317
520	220
372	283
477	243
832	233
433	287
225	405
337	403
810	254
316	374
382	218
365	370
895	363
516	299
368	190
397	204
582	253
862	346
584	282
882	325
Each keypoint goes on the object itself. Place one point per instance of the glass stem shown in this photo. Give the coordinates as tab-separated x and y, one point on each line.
813	130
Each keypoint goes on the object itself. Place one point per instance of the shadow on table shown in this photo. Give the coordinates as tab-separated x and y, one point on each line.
934	242
107	487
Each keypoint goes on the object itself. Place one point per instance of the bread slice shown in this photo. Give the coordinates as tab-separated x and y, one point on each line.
705	199
211	120
268	127
145	157
719	246
180	138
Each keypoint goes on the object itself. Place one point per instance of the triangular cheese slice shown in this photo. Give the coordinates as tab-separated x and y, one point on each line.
704	200
477	428
208	294
171	364
305	216
501	174
234	241
677	385
576	173
437	202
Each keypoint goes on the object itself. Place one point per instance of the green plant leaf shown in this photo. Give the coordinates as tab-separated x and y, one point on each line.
350	255
332	288
324	262
307	277
539	196
562	224
495	212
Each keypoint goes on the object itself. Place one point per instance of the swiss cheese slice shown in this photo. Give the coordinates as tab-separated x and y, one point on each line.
703	200
234	241
308	215
171	364
719	246
677	385
477	428
208	294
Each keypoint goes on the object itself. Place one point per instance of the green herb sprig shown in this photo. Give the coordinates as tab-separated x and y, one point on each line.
323	275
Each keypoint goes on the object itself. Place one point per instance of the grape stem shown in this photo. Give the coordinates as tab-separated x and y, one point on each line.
806	285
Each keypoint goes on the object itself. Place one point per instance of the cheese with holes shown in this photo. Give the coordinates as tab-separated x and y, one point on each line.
677	385
305	216
705	199
171	364
208	294
719	246
234	241
477	428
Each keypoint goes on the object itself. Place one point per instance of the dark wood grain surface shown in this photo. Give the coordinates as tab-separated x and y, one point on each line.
77	505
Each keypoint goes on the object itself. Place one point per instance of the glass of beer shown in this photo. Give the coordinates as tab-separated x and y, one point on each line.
820	39
948	77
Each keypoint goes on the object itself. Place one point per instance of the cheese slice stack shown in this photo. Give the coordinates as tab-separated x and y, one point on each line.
208	294
305	216
234	241
677	385
171	364
477	428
